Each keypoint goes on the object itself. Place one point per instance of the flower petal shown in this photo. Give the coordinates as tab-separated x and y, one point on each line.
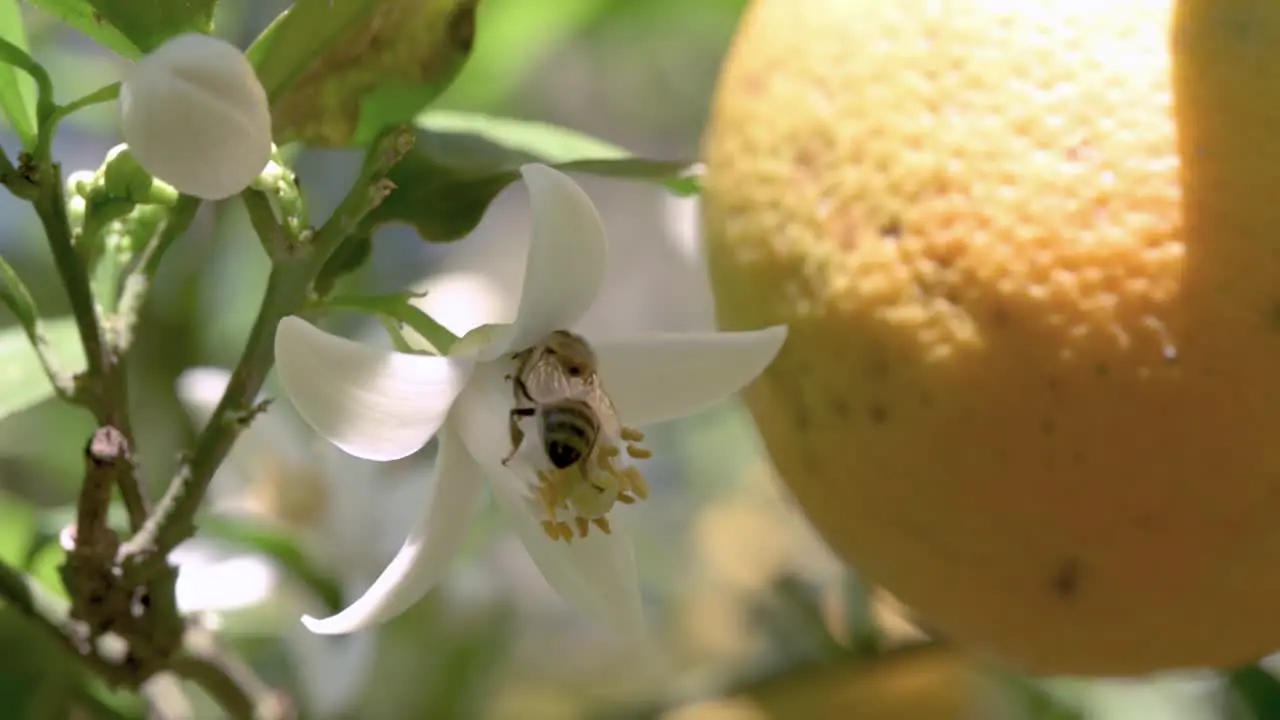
427	552
659	377
195	115
375	404
566	261
213	578
597	573
463	301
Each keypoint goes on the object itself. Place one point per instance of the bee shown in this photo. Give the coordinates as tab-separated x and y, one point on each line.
556	382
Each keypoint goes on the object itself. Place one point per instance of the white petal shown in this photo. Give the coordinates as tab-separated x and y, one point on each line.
332	671
660	377
195	115
216	579
427	552
375	404
597	574
463	301
566	260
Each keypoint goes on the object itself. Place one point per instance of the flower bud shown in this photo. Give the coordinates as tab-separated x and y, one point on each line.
195	116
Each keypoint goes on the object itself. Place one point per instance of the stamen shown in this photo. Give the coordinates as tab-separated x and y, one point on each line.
551	528
587	491
634	482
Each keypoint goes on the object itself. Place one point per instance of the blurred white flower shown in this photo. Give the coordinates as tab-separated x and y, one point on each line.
383	405
1189	695
195	116
346	521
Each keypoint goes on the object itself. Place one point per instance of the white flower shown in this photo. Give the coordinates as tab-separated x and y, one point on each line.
195	116
348	522
383	405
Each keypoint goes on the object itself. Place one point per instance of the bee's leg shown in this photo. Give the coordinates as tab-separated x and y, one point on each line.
517	434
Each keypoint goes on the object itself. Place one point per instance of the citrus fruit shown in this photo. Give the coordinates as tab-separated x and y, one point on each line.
1030	257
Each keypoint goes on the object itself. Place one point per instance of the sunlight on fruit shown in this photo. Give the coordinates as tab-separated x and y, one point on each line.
1026	251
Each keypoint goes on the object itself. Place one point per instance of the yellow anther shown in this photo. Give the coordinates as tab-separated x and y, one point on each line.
635	483
632	435
551	528
584	526
638	452
603	524
625	499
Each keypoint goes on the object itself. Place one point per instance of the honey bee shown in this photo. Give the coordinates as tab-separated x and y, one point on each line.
556	382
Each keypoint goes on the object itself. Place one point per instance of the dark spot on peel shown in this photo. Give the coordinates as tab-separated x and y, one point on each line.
462	26
878	413
926	399
1048	427
840	408
1066	581
1101	370
891	229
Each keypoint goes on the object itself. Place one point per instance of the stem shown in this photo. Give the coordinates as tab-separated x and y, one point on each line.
276	239
287	286
137	283
227	679
103	94
52	209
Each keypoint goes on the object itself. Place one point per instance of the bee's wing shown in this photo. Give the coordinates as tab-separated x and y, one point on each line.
546	381
593	393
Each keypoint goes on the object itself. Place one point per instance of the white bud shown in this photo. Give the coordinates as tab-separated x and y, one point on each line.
195	116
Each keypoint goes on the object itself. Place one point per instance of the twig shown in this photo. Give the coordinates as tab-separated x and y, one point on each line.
137	283
51	206
287	288
228	679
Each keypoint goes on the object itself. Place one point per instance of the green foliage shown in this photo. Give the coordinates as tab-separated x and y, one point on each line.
17	529
339	73
280	546
81	15
1255	694
148	23
17	88
350	257
22	376
461	161
398	308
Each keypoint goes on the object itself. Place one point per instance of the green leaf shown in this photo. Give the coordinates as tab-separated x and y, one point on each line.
148	23
280	546
350	256
461	161
23	382
1255	694
338	73
80	15
17	529
14	295
17	88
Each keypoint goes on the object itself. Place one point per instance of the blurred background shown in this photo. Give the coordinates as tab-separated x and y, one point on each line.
736	585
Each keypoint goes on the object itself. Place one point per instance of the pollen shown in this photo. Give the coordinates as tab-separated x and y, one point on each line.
577	498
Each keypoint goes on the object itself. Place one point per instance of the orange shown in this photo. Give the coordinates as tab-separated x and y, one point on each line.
1030	257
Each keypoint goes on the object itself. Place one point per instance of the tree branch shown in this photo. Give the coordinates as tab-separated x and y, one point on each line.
287	286
228	679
